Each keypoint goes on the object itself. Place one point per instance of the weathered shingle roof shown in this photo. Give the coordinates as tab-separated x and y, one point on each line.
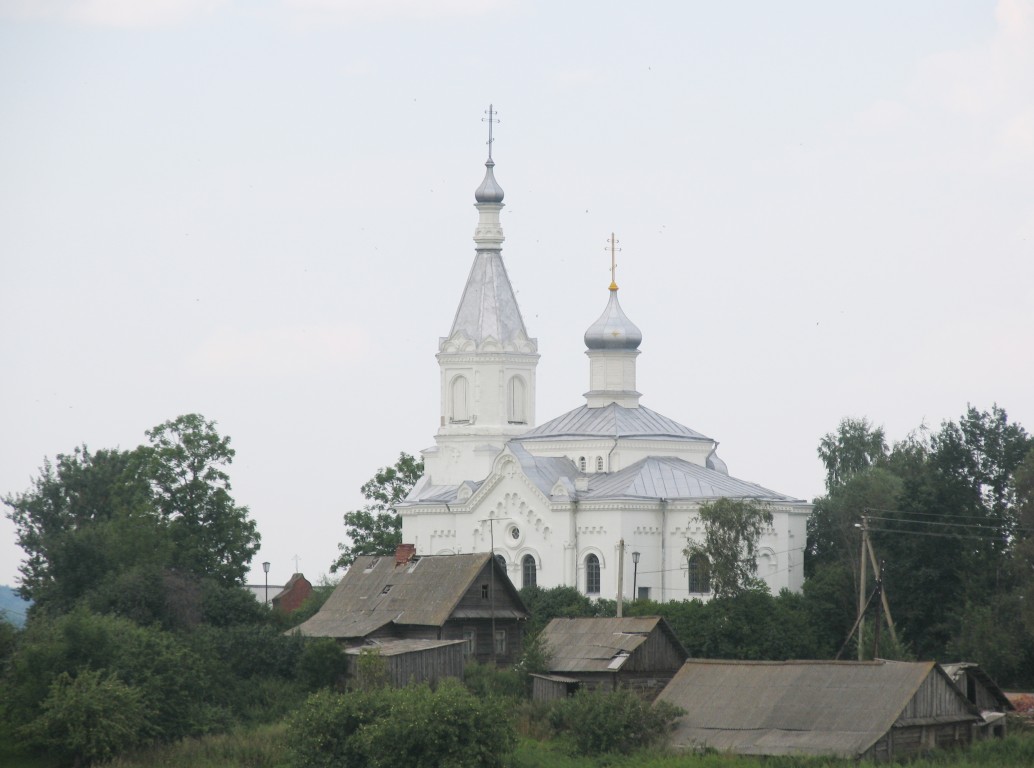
599	644
425	591
956	670
797	707
612	421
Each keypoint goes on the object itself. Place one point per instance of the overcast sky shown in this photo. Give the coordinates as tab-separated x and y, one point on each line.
262	212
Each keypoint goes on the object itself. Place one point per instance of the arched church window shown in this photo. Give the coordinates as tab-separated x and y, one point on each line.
529	573
592	575
599	463
581	464
699	574
501	560
458	409
515	401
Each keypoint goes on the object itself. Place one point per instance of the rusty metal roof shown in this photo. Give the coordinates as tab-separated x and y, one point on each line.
797	707
600	644
424	591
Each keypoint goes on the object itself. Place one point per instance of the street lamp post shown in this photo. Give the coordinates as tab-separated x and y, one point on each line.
635	574
265	569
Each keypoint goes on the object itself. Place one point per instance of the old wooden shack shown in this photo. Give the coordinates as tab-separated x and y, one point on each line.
401	662
877	710
432	597
639	652
983	691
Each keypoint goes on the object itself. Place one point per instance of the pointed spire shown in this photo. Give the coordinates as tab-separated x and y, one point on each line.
489	191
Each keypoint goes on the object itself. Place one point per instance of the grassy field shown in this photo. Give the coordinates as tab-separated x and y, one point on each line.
264	747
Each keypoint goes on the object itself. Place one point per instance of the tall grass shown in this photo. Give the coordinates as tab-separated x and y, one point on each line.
262	746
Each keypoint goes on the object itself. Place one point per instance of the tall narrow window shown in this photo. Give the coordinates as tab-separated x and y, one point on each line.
581	463
592	575
458	409
599	463
500	642
501	560
515	400
529	573
699	575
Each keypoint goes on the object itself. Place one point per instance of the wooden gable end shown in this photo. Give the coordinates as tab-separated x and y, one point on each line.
937	698
490	593
658	653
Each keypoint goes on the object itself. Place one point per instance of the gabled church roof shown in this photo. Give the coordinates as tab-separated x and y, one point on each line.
612	421
669	478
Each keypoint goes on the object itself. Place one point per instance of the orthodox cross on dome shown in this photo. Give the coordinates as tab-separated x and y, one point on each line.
612	246
296	560
490	119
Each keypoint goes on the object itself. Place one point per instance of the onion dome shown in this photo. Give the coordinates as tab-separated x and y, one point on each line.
613	330
489	191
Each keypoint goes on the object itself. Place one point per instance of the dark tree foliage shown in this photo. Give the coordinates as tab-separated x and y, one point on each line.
376	529
945	510
133	532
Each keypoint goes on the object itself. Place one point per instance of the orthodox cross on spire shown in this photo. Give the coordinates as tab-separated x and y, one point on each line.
612	246
490	119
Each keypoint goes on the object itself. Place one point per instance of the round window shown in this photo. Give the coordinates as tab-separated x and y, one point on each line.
515	532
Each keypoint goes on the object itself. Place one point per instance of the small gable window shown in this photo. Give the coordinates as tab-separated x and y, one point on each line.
699	575
484	591
592	575
529	573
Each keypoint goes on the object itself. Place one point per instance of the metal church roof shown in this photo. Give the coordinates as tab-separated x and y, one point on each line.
670	478
612	421
488	308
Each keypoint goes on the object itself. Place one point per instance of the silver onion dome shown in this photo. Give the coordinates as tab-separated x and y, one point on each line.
613	330
489	191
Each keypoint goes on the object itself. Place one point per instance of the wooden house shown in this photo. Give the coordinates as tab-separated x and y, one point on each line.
432	597
981	690
401	662
639	652
877	710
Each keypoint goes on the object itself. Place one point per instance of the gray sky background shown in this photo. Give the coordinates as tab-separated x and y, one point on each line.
262	212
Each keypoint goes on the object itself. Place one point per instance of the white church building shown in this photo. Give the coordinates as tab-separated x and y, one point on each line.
554	501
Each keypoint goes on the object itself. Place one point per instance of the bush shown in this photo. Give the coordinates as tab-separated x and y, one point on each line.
412	726
92	716
321	664
613	721
485	680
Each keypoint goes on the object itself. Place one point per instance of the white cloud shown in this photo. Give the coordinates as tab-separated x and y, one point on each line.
111	13
284	352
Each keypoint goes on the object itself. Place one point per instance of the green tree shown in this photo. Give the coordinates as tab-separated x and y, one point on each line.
376	529
212	535
856	446
732	531
133	531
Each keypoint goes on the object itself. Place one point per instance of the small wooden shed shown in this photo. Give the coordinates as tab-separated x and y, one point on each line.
638	652
874	710
981	690
401	662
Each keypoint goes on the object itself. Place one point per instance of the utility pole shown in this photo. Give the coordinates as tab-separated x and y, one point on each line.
861	588
876	630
